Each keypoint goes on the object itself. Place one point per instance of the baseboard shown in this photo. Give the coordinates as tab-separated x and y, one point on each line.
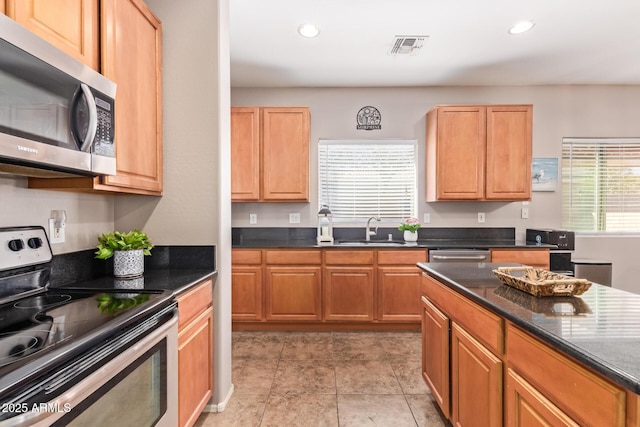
219	407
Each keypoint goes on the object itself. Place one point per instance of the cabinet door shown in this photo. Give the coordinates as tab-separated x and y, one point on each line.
70	25
476	382
508	166
348	293
399	293
285	150
456	152
293	293
136	69
245	154
435	354
527	407
246	293
533	257
195	368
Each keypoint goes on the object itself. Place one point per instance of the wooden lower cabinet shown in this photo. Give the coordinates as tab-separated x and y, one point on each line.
399	293
582	395
348	293
293	293
435	354
246	293
527	407
195	352
476	382
326	288
538	258
495	373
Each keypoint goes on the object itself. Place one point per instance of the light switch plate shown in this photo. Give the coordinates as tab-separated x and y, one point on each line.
480	217
524	213
427	218
294	218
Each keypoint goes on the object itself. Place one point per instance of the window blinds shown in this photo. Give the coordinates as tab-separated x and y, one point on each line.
601	184
360	179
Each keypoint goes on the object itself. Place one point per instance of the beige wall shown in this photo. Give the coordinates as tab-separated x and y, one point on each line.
195	208
88	215
559	111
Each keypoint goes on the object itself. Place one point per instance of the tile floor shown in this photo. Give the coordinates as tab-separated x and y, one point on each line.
327	379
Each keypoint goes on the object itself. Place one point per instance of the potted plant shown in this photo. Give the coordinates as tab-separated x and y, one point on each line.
410	227
128	251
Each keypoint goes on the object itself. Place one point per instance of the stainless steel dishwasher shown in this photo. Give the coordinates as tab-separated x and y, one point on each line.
459	255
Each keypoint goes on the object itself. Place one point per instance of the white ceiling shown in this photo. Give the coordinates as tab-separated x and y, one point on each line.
573	42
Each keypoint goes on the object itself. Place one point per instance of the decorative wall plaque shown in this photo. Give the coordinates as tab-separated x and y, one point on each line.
368	118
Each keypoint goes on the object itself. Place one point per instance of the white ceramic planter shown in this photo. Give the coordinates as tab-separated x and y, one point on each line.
410	237
128	263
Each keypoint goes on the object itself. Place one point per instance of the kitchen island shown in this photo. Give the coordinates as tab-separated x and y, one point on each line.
528	360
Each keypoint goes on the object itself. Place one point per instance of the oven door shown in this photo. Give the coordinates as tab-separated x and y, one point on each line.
137	387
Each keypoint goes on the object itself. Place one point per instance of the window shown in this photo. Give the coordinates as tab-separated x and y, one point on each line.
360	179
601	184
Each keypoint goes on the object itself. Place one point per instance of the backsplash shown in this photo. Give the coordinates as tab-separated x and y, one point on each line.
242	235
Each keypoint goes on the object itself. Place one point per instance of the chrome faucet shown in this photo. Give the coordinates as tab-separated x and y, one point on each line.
369	232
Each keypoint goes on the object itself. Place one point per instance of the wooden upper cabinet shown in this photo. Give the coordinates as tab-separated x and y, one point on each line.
479	152
131	40
509	140
285	153
136	69
455	153
270	154
70	25
245	153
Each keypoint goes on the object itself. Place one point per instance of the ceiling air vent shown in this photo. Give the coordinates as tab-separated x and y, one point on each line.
406	45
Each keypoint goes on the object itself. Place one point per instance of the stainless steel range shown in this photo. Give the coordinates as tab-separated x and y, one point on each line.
80	356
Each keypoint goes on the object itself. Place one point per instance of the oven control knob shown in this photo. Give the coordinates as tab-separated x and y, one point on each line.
16	245
34	242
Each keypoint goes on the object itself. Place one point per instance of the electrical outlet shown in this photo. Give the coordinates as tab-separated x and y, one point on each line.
427	218
294	218
480	217
524	213
56	234
253	218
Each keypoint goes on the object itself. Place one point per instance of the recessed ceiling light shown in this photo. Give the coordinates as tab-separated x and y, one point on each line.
308	30
521	27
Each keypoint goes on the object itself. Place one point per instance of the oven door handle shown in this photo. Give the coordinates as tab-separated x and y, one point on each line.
89	385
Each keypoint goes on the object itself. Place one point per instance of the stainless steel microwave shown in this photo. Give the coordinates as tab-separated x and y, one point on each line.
56	114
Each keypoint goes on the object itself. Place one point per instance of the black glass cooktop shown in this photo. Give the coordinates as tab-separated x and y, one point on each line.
33	325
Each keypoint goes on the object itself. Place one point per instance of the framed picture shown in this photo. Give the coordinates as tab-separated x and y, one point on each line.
544	174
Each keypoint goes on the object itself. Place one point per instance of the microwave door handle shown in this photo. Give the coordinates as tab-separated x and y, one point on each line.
93	118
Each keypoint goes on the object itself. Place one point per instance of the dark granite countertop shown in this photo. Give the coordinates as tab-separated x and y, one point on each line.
175	280
425	243
600	328
169	268
353	237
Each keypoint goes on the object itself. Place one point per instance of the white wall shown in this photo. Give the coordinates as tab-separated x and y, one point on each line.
88	215
195	208
558	111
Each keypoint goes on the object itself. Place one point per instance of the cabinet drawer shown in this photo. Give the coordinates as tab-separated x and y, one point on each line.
532	257
402	256
292	257
482	324
194	302
246	256
348	257
583	395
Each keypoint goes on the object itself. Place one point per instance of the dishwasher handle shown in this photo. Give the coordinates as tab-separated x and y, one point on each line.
460	257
